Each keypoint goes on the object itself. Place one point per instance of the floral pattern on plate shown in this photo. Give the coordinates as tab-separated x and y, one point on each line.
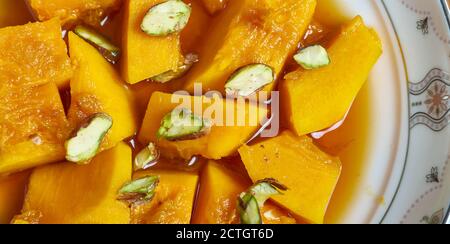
422	29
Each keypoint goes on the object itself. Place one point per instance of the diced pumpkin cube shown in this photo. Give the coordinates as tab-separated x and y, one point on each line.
223	140
217	198
13	12
146	56
96	87
314	100
173	200
33	127
219	190
80	194
213	6
34	54
248	32
144	90
310	174
72	11
28	218
12	193
316	35
196	28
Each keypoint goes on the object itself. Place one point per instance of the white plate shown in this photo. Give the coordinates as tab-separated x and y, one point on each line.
406	178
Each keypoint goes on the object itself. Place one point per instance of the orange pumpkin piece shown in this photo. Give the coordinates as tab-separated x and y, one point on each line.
173	201
72	11
223	140
12	193
146	56
248	32
196	28
28	218
33	127
314	100
214	6
69	193
96	87
217	198
34	54
219	189
142	93
310	174
13	12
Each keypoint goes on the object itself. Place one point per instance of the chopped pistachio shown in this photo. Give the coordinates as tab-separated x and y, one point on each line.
313	57
182	124
250	202
248	209
265	189
106	48
139	191
85	144
166	18
249	79
146	157
189	61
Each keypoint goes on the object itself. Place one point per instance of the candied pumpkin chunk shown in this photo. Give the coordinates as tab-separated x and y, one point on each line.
96	87
214	6
219	190
142	93
231	127
314	100
249	32
69	193
173	200
197	26
217	198
34	54
33	127
310	174
146	56
13	12
72	11
12	193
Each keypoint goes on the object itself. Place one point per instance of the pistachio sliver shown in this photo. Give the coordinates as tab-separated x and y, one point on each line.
265	189
182	124
313	57
146	157
250	202
139	191
189	61
109	51
248	209
249	79
87	140
166	18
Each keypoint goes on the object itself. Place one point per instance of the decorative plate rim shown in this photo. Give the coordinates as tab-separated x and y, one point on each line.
428	106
